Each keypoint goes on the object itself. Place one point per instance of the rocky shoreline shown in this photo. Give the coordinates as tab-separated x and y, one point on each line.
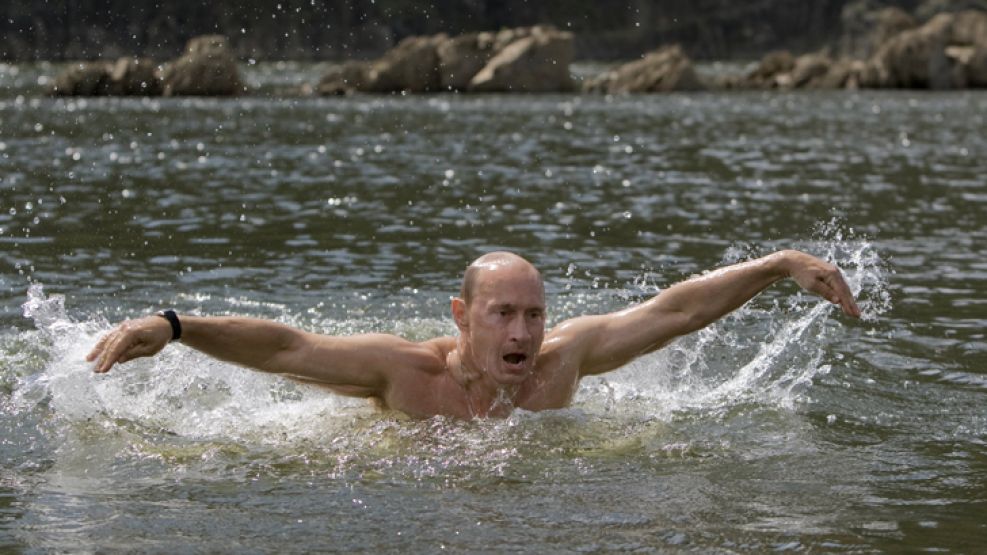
894	50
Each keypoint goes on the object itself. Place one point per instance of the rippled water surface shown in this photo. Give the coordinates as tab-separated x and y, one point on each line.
783	427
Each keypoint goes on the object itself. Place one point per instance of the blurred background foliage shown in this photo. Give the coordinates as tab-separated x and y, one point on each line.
348	29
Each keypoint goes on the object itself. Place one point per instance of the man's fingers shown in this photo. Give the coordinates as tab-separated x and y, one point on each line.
846	300
826	291
840	294
113	351
97	348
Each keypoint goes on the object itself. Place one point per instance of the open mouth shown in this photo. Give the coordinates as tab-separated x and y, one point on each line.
515	358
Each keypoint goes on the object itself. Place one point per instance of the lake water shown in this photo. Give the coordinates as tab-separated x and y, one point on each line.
784	427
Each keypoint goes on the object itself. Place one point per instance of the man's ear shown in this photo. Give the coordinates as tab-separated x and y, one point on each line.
459	313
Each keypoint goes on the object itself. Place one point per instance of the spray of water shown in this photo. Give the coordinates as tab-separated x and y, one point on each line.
178	392
762	354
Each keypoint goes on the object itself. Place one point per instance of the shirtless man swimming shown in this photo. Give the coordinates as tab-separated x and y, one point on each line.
502	358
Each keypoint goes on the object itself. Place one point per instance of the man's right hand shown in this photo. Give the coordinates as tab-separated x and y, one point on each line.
131	339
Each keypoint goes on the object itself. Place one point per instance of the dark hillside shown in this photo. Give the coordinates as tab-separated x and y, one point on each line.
340	29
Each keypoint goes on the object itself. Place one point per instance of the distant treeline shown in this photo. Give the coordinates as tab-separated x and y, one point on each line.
347	29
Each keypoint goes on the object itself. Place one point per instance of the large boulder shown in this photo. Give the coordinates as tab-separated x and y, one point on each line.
537	62
769	71
942	54
969	28
135	77
528	59
914	59
412	66
930	8
866	26
346	78
665	70
462	57
976	73
842	74
207	68
83	79
809	71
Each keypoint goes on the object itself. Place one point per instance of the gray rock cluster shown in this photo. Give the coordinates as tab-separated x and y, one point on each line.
949	51
207	68
528	59
665	70
881	48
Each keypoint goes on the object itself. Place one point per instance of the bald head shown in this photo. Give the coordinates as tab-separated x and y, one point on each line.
488	265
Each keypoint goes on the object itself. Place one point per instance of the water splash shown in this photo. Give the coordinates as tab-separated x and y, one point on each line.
767	352
757	354
179	391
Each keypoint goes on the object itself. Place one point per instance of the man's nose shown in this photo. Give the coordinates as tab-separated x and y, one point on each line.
518	329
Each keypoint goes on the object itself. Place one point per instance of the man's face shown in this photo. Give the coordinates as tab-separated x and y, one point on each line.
505	322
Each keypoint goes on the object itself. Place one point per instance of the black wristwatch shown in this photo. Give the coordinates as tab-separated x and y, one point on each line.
176	326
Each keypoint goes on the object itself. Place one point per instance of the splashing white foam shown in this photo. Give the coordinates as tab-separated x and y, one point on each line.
757	354
179	391
754	355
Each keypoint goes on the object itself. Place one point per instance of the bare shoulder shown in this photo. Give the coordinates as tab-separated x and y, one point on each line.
568	343
435	352
404	354
572	334
575	343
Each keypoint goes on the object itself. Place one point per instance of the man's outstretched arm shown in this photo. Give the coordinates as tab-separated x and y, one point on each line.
609	341
353	365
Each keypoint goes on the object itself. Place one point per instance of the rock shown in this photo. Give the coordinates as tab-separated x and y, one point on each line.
930	8
914	58
809	71
207	68
135	77
83	79
665	70
969	28
127	77
345	78
968	49
976	67
842	74
524	59
462	57
412	65
537	62
504	37
866	26
942	54
766	74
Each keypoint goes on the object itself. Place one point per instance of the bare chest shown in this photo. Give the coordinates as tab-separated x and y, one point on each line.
427	395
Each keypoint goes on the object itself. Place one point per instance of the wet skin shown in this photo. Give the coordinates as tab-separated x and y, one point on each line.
502	358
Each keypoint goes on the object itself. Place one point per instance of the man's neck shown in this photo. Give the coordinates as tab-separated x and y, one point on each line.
484	396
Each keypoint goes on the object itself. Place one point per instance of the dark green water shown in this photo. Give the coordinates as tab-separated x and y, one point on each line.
784	427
